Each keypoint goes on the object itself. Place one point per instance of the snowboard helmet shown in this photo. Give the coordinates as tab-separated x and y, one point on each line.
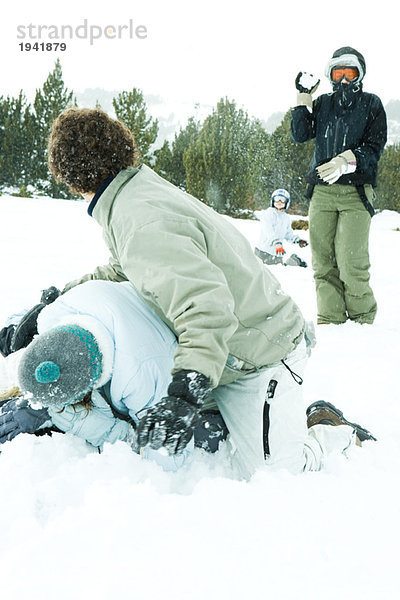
282	195
347	57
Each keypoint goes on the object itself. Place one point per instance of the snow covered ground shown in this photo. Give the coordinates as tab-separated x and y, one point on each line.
77	524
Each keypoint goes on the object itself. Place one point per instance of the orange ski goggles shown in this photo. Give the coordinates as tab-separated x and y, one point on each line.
350	73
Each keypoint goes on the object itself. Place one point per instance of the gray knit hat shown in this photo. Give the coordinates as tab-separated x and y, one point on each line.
61	366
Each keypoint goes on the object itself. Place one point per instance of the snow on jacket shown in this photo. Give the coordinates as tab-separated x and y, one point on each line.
141	350
275	226
197	272
360	127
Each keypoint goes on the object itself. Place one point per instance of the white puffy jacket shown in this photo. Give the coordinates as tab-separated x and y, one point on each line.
139	350
275	227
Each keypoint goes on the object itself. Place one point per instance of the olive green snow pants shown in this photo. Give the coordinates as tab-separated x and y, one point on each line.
339	231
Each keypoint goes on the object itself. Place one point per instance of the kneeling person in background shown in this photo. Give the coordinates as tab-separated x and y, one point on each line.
275	228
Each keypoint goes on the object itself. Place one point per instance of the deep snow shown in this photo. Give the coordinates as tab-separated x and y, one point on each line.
77	524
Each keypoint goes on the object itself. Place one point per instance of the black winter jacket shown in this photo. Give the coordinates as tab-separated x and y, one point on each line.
361	128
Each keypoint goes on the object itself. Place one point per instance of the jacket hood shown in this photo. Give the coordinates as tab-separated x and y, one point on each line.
347	56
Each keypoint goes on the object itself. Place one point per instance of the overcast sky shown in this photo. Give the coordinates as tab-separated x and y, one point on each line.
200	51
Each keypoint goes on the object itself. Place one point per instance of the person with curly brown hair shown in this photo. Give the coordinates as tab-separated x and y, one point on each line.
241	344
74	149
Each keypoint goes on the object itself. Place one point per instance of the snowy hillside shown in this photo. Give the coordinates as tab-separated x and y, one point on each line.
78	524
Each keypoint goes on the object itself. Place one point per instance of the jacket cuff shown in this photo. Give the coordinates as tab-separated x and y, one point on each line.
351	160
349	156
304	99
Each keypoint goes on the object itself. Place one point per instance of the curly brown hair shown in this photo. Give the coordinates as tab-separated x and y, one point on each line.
86	147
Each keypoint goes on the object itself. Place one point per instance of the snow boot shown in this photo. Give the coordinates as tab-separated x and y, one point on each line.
295	261
324	413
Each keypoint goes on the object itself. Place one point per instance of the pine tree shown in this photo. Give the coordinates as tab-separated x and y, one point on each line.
49	102
225	163
163	163
169	160
131	109
16	141
388	190
4	110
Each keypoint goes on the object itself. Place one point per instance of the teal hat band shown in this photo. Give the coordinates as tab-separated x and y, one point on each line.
47	372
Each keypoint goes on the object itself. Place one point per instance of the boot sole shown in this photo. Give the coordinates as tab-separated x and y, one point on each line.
325	411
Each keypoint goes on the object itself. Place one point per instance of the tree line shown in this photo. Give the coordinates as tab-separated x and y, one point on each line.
229	160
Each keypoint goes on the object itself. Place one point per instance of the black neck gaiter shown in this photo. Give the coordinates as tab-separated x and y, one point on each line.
346	93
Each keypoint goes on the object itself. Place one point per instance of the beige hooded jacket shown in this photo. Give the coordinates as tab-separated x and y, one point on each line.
198	273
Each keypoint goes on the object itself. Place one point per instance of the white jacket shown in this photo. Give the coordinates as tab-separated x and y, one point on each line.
139	350
275	227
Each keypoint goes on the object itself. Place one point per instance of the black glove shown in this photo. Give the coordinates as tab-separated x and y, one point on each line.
171	421
16	416
313	83
48	296
27	327
210	430
6	336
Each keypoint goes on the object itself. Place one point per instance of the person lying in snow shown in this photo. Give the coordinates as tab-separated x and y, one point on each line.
103	356
275	228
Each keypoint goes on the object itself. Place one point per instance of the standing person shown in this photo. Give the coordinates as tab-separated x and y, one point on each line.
239	335
350	131
275	227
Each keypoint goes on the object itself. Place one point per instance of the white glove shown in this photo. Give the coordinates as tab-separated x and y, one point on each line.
340	165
